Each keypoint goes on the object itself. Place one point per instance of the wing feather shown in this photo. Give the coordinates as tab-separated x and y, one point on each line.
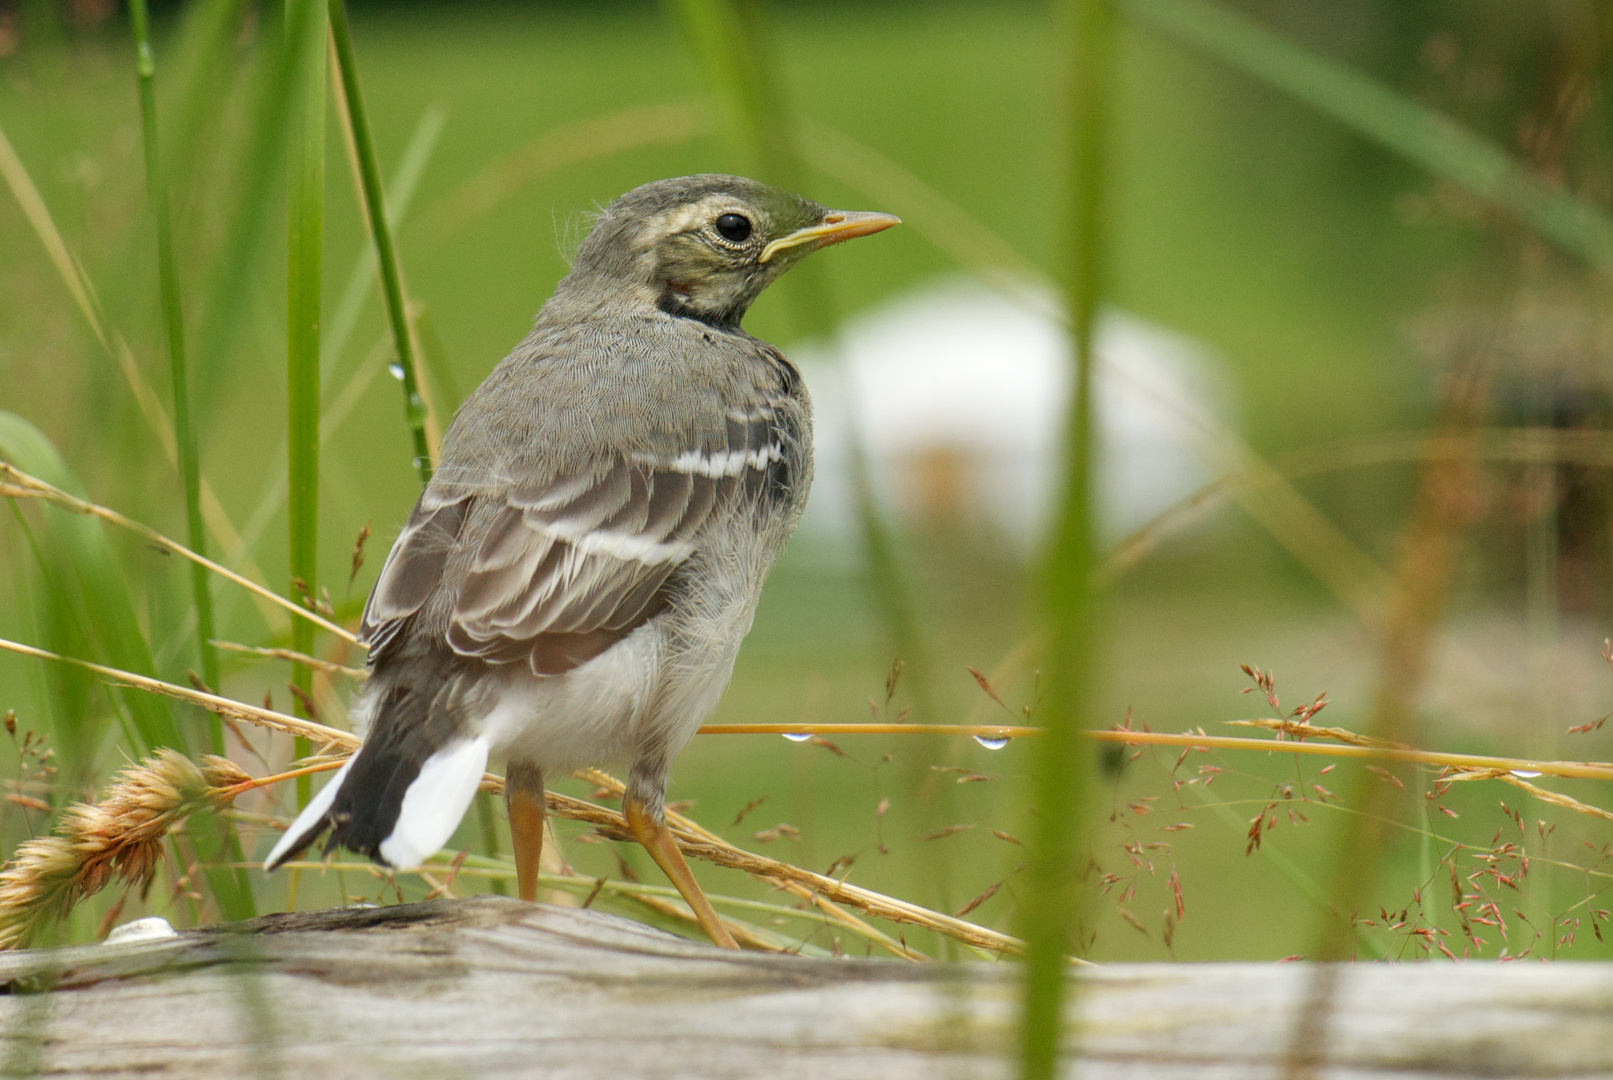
413	569
567	565
667	505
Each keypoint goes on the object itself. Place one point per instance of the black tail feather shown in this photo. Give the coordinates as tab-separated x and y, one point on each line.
414	717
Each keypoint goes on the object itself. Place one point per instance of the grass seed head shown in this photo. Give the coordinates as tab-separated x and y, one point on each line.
119	837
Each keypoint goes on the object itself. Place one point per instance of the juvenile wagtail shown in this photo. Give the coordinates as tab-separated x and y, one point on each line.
574	583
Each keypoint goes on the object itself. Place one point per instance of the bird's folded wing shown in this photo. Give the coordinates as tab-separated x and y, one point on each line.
558	569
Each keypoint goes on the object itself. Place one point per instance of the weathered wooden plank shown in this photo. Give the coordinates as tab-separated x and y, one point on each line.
494	988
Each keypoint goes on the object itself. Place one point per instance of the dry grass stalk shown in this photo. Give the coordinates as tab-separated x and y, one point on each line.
695	840
865	900
983	731
700	844
826	892
1505	773
226	707
743	934
291	725
857	926
16	484
1529	446
586	888
1555	798
1583	770
119	837
1303	731
292	655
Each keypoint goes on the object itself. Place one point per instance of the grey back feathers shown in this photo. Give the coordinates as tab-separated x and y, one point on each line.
549	531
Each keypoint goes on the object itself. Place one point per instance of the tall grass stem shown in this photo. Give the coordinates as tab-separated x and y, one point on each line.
88	589
229	288
174	331
305	36
1054	901
727	35
400	188
414	408
117	350
1431	551
231	888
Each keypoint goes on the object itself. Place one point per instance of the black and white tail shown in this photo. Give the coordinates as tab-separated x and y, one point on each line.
401	795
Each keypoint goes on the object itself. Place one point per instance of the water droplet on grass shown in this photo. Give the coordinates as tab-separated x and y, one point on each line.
397	370
798	736
1527	774
992	742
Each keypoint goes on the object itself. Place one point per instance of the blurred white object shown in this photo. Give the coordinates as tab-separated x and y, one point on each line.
149	929
961	393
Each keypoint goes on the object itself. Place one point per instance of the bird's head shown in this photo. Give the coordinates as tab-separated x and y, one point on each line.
706	246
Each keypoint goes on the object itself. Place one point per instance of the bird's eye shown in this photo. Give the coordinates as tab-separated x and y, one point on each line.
735	228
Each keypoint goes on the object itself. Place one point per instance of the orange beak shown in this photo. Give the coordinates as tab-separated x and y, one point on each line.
837	225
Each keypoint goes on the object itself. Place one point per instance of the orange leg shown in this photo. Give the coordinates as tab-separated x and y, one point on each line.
523	801
657	840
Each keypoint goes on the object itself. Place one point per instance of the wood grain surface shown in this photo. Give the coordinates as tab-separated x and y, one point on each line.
490	987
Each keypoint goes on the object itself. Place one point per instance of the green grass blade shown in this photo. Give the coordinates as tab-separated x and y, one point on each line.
229	289
414	408
590	140
94	588
400	192
727	36
42	606
340	327
305	38
1388	118
231	888
1054	901
345	318
174	330
201	64
436	357
117	350
32	204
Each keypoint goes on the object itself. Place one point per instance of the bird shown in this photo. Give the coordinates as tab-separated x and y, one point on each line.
574	582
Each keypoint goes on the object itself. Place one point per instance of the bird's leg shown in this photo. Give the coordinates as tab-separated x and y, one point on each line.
523	800
650	830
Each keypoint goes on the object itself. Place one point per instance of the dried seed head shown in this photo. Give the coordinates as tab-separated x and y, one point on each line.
358	554
753	804
119	837
985	684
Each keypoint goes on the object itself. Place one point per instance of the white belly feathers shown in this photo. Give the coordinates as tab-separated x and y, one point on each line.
653	689
585	717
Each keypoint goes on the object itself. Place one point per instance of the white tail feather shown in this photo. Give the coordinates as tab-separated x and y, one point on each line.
435	802
309	821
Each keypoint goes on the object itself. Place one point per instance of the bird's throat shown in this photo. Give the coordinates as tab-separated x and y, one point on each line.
685	301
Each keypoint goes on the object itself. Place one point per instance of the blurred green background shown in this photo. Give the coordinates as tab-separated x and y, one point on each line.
1342	287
